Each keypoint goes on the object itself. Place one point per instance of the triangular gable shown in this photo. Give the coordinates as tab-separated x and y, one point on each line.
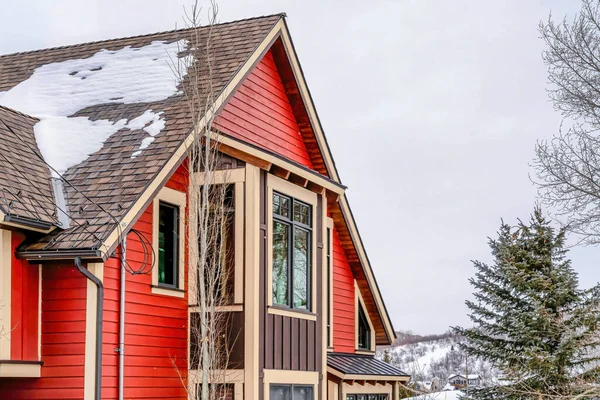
242	114
260	113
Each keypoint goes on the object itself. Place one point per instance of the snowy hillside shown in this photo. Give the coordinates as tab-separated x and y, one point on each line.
433	356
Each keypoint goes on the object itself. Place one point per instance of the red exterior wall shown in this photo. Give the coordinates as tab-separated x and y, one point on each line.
343	300
24	306
261	114
156	326
63	339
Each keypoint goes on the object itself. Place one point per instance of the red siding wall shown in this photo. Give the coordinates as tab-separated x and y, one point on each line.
24	306
63	339
343	300
260	113
156	326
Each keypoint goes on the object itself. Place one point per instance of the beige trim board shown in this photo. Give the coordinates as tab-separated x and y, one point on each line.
252	239
292	313
20	370
367	388
231	308
176	157
5	292
179	199
276	376
268	159
287	188
378	378
221	176
165	291
358	300
90	330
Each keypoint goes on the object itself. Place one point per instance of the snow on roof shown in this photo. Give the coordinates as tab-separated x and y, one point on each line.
56	91
470	376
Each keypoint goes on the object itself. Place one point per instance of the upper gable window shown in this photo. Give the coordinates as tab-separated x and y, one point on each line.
168	244
364	331
292	238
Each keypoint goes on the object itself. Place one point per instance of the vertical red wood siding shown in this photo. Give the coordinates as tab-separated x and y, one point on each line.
343	300
63	339
24	306
155	325
260	113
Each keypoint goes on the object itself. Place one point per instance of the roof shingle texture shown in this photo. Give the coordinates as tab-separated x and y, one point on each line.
103	188
354	364
25	189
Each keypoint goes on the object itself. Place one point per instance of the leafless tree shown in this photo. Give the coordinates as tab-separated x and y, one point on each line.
210	216
568	165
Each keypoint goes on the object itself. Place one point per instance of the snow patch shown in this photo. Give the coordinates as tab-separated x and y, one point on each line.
56	91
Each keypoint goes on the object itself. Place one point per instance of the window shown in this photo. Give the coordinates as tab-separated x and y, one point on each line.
292	232
220	259
291	392
364	332
168	227
367	397
168	245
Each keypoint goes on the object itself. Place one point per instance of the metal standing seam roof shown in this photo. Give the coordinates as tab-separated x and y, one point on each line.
355	364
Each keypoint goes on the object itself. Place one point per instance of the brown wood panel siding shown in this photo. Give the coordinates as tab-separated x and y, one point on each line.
234	322
294	344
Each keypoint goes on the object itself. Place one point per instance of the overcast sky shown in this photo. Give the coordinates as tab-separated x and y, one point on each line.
431	108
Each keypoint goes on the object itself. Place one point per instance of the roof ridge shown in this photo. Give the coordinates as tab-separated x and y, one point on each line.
17	112
280	15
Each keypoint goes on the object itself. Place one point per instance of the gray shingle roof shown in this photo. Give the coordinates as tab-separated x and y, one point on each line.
355	364
25	189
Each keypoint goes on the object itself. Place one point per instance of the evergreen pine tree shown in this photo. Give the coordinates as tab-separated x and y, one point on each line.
530	319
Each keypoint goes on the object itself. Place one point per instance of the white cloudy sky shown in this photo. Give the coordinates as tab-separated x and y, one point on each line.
432	109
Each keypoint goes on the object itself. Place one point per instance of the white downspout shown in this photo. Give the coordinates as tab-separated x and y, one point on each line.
122	317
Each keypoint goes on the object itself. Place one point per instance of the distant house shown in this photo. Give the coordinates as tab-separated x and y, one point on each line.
433	385
460	381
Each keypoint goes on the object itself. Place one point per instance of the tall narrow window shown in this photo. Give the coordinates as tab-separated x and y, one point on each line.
364	332
292	230
220	255
168	244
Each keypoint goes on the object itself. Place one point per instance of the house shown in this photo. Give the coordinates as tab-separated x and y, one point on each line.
94	278
460	381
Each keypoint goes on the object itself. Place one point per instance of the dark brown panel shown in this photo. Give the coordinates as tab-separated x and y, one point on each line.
277	341
234	324
296	344
303	346
312	348
287	335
